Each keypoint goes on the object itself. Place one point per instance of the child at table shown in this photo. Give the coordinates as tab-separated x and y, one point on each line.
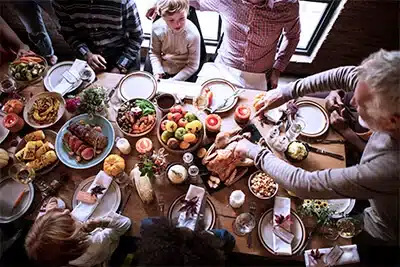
175	42
57	239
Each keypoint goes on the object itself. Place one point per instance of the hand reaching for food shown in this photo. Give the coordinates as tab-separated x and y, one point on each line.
272	99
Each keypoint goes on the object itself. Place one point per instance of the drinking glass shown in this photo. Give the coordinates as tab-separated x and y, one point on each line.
244	224
295	129
21	173
349	227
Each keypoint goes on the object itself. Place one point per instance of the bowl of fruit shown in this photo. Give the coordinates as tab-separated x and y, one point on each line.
180	131
136	117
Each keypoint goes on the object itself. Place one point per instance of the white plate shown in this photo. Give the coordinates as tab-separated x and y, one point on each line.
315	117
9	192
221	90
341	207
109	202
3	130
265	227
209	212
138	84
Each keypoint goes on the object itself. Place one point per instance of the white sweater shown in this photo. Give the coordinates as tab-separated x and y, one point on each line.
103	242
175	52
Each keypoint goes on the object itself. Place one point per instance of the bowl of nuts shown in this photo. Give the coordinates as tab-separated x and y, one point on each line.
262	185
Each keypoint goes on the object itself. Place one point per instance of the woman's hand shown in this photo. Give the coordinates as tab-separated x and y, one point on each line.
334	101
272	99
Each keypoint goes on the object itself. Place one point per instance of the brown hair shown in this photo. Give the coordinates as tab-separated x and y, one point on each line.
55	239
170	7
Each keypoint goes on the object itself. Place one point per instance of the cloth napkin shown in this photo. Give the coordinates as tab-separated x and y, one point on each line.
188	220
70	77
349	256
83	211
281	207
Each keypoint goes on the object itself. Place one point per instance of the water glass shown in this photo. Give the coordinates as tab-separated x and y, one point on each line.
21	173
349	227
244	224
295	129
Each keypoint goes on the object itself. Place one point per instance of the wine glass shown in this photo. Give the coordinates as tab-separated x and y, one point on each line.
295	129
244	224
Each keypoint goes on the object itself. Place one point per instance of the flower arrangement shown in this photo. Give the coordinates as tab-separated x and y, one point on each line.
153	165
318	209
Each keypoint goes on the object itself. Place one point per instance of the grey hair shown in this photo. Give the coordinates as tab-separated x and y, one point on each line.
381	72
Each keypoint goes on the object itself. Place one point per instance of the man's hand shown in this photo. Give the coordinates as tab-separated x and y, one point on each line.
271	100
338	122
25	51
97	62
242	148
115	70
274	77
334	101
151	13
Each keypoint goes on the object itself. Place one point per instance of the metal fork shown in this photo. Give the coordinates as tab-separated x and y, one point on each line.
252	208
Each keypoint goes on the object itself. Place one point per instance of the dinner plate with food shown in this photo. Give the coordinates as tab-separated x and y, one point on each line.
84	141
218	95
136	117
44	110
15	199
37	151
28	69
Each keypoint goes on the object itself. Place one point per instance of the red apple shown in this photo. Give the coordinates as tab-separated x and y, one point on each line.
170	116
182	122
163	123
178	109
172	109
177	117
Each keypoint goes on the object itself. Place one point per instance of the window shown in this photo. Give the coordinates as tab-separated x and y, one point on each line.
314	18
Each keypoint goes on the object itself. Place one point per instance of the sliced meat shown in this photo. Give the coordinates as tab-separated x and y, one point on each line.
89	135
80	149
72	141
66	137
77	144
88	153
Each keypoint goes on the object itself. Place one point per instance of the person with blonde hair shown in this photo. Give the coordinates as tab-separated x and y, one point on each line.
175	42
57	239
376	86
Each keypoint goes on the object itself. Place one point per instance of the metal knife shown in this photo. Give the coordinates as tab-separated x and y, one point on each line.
326	153
111	93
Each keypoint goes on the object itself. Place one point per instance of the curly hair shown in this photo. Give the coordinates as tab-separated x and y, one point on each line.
166	245
55	239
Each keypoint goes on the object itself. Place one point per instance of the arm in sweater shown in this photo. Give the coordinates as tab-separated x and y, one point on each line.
193	62
344	78
367	180
155	53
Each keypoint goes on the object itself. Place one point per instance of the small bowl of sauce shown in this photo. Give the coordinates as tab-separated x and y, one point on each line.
165	101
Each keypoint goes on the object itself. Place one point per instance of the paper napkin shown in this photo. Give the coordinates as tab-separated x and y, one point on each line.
70	77
83	211
186	219
281	207
349	256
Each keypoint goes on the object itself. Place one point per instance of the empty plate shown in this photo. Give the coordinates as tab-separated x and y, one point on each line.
314	116
138	84
265	231
209	217
109	202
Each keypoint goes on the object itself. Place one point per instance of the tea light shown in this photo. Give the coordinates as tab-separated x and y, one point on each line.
123	145
236	199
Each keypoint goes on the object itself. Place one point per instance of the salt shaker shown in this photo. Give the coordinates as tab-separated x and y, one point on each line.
273	135
236	199
281	143
188	159
193	174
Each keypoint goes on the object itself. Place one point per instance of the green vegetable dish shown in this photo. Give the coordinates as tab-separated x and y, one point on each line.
136	116
27	68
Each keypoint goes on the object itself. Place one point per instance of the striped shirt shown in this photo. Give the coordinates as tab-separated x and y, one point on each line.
111	28
252	32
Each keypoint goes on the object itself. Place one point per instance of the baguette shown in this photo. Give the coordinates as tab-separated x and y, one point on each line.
43	149
20	155
45	160
35	136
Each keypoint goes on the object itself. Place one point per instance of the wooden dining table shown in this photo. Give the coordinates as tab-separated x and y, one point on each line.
166	193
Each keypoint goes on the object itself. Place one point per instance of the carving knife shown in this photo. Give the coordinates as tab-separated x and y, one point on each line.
326	153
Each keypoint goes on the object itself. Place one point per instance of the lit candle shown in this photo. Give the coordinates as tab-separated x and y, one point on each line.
236	199
123	145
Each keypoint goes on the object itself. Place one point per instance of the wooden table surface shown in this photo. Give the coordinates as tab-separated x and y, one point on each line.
137	211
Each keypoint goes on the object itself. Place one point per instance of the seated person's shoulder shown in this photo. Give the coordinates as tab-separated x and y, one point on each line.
192	31
159	27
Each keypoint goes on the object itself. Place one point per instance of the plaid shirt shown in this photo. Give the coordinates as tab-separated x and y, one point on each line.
251	32
111	28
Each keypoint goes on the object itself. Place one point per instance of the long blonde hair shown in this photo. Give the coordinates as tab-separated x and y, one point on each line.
55	239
